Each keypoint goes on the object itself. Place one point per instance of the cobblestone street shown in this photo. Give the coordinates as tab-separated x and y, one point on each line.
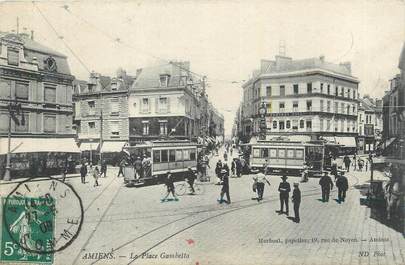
134	223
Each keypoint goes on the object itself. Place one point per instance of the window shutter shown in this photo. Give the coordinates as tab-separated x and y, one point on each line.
168	104
157	104
5	89
149	105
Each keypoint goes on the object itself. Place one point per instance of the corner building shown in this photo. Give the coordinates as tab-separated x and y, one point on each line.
39	80
166	101
306	99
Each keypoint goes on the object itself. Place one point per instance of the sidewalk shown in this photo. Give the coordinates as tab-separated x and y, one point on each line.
41	178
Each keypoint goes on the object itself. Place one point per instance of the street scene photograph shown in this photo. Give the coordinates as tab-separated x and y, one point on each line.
196	132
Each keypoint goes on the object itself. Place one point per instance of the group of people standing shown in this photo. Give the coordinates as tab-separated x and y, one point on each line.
358	162
327	185
88	169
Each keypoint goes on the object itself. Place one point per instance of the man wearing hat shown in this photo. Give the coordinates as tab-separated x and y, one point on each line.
296	199
342	186
138	167
169	182
284	188
326	186
225	187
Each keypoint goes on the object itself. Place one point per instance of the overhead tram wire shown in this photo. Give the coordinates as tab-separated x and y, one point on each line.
120	41
61	37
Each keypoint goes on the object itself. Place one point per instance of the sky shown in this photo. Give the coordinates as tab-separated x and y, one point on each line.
224	40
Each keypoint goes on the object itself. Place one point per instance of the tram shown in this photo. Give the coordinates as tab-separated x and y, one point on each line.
175	156
291	157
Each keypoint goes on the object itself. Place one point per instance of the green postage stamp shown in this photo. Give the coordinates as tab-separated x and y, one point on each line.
27	230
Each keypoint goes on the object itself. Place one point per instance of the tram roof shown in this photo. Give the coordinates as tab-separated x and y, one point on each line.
288	143
164	143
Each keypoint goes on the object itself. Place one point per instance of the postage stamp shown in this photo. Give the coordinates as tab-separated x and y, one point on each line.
31	227
39	219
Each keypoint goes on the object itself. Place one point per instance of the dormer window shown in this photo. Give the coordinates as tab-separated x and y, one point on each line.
13	56
114	86
164	80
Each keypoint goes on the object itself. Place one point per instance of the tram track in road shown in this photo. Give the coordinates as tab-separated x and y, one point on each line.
223	212
100	220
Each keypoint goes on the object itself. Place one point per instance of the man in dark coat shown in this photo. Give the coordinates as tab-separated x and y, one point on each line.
333	167
225	187
342	186
103	169
296	199
238	168
347	162
169	182
138	168
218	168
284	189
190	177
326	185
83	172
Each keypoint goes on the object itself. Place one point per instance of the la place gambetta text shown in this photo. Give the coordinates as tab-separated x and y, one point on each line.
163	255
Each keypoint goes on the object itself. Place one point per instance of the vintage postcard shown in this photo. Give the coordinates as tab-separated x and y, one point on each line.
202	132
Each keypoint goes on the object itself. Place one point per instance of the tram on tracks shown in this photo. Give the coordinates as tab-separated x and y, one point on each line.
291	157
159	157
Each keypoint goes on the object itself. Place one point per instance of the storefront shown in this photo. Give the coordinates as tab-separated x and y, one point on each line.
111	151
32	157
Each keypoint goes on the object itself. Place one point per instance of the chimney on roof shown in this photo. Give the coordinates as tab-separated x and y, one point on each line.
264	65
138	72
121	73
32	35
322	58
347	65
282	61
378	103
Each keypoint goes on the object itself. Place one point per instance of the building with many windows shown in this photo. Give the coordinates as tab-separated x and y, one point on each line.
394	114
306	99
370	124
168	101
35	107
101	114
163	102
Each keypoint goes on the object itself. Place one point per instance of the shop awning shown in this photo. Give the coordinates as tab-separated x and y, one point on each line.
112	147
388	142
34	145
346	141
89	146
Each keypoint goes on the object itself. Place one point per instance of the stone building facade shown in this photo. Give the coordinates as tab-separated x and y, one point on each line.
305	99
101	113
166	101
37	81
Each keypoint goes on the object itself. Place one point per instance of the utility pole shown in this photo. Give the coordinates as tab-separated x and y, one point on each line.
7	174
18	25
101	135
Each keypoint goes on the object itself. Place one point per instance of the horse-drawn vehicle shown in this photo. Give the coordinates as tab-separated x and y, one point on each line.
159	157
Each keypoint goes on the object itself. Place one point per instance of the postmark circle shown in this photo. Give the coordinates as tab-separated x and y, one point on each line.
43	217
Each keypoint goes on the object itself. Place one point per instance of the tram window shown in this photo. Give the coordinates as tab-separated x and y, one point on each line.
172	155
156	156
273	152
192	155
256	152
290	153
299	153
281	153
265	152
179	155
164	156
186	154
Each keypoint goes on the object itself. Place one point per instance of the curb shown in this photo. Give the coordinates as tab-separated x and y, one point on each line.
3	182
